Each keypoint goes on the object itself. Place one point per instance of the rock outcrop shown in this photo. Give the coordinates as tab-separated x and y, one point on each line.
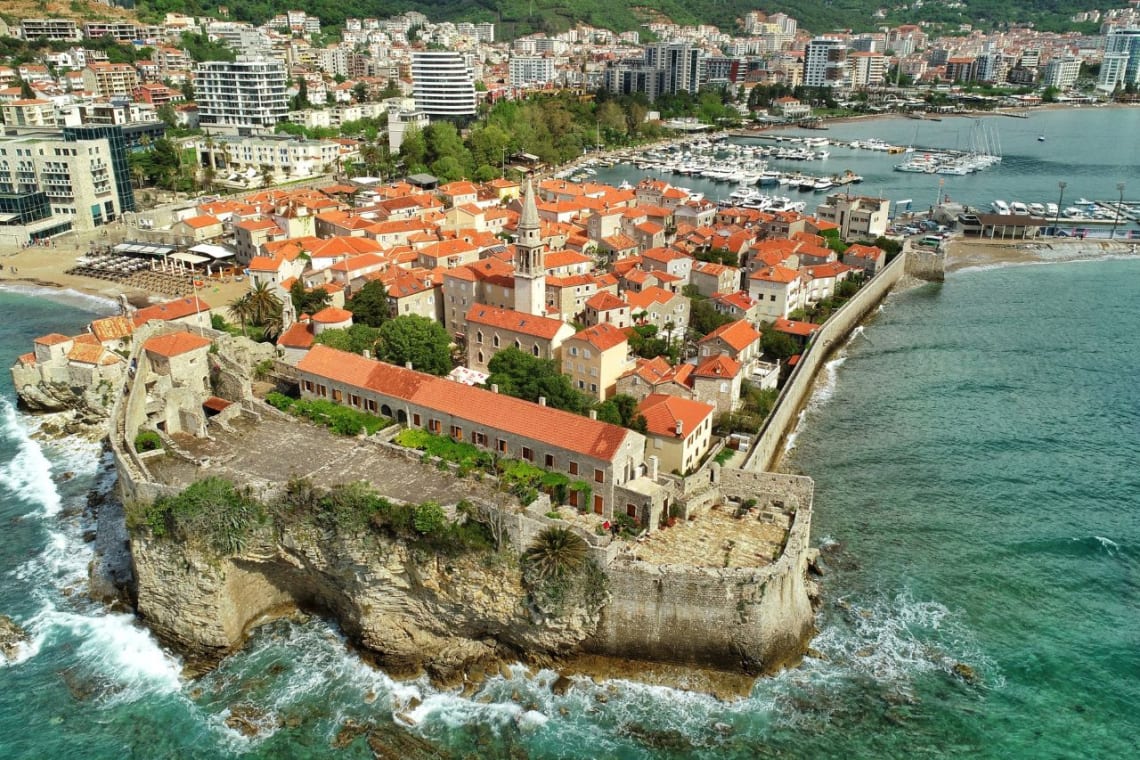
414	610
12	638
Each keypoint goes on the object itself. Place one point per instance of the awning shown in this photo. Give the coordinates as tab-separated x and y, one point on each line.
144	249
190	258
213	251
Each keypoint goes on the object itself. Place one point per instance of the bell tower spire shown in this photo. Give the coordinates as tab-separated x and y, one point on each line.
530	265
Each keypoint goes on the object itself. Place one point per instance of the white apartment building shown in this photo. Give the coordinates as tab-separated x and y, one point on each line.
530	70
867	69
825	63
857	216
1121	64
444	87
248	92
285	156
1061	72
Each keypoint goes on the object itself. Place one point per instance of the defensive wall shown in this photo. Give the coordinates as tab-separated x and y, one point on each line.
768	445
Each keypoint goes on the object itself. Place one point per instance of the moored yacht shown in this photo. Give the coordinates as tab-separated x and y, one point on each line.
1000	207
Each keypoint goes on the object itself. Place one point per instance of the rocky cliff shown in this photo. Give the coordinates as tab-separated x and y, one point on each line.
414	611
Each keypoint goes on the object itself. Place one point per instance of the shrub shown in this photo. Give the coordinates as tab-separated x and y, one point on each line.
429	518
212	510
466	455
147	440
337	418
555	553
724	455
279	400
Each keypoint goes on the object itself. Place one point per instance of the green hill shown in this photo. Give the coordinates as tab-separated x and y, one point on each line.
518	17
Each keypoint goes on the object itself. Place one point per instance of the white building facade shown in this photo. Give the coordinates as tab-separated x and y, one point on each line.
248	92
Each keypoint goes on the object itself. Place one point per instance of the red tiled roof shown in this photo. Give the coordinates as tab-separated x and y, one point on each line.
175	344
111	328
603	336
721	365
792	327
738	335
776	273
515	321
199	222
331	315
649	296
493	411
297	336
662	413
178	309
606	301
51	339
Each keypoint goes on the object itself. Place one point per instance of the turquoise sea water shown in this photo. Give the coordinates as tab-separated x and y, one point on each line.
975	450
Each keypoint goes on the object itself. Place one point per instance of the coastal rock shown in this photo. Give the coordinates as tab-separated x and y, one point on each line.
414	613
965	672
12	638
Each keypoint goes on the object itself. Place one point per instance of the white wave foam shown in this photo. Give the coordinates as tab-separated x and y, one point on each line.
116	648
80	300
1108	545
28	473
1086	257
894	639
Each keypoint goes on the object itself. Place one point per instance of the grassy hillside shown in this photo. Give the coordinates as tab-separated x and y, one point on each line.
516	17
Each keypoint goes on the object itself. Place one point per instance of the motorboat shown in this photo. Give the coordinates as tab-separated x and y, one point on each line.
1000	207
1017	208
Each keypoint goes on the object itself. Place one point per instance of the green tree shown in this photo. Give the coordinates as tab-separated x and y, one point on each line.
413	150
555	553
241	309
356	339
519	374
620	409
415	339
704	318
369	305
360	92
308	301
778	344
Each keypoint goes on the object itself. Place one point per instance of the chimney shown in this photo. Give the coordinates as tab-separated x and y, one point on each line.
680	426
542	400
494	387
593	414
654	464
407	365
367	354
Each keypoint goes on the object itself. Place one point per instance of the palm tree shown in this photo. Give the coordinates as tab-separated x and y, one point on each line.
264	303
555	553
242	310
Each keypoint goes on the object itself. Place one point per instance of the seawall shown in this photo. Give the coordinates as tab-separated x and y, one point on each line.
769	443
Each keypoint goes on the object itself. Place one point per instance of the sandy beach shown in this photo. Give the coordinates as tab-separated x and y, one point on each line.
46	267
971	253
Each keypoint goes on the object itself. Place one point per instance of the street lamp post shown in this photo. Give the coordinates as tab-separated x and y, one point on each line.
1060	200
1116	219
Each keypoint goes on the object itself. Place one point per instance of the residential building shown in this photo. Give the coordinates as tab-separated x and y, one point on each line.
857	216
867	257
530	70
444	87
825	63
400	122
779	290
606	456
606	308
867	69
246	93
679	431
1121	63
667	310
595	358
1061	72
30	112
111	79
490	330
739	340
709	278
717	381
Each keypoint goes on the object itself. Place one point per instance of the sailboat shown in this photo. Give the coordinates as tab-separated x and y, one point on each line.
1041	137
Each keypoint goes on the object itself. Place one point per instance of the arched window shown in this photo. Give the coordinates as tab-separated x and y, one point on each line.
479	337
534	350
480	357
518	344
495	340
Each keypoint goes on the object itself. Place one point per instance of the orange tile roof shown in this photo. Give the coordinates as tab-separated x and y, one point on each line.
111	328
740	299
493	411
265	264
85	353
777	273
830	269
199	222
605	301
515	321
51	339
556	259
175	344
793	327
662	413
720	365
177	309
738	335
299	335
331	315
649	296
602	337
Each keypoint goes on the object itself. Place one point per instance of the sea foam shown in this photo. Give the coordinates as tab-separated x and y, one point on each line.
28	474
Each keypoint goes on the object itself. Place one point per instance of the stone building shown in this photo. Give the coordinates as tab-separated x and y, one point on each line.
607	457
595	358
679	431
490	330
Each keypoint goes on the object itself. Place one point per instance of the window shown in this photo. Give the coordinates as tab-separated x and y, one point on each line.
586	353
599	504
599	475
416	420
479	337
528	454
548	460
631	510
435	426
594	387
309	386
502	446
354	400
495	341
573	468
322	391
479	438
772	297
724	387
534	349
518	344
456	432
573	351
336	394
